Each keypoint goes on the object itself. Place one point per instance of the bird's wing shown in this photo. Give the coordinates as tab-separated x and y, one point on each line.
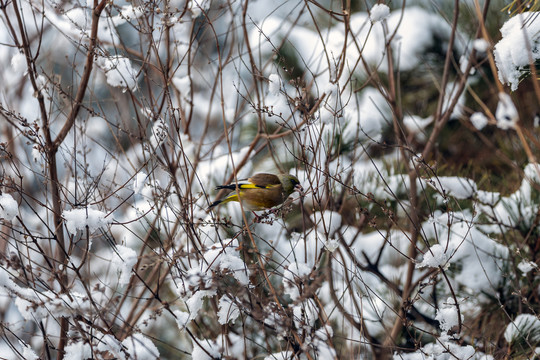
264	181
257	181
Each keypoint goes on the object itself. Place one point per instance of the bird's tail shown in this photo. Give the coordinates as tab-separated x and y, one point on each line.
228	187
214	204
232	197
243	186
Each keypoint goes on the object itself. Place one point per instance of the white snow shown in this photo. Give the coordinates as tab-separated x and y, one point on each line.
139	346
379	12
182	318
526	266
183	85
458	187
417	125
205	349
305	314
322	344
124	260
434	257
477	255
519	33
228	310
368	121
331	244
327	222
78	350
159	132
282	355
488	197
193	304
294	279
226	258
335	145
8	207
518	209
27	352
109	343
274	84
479	120
139	182
444	348
127	13
118	71
524	326
447	316
506	114
532	172
79	219
480	45
18	63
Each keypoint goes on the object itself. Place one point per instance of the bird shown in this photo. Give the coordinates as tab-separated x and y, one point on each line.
261	191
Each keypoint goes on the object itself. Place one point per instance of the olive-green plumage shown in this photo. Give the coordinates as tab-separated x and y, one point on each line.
261	191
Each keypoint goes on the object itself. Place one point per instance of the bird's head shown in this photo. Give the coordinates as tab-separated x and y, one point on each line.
290	183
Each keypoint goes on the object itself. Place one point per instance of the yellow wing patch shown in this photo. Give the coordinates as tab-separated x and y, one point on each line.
250	186
253	186
232	197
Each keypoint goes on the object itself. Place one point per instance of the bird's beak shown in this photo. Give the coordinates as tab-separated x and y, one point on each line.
299	188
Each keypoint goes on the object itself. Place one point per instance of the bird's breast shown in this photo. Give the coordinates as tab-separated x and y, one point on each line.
261	199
